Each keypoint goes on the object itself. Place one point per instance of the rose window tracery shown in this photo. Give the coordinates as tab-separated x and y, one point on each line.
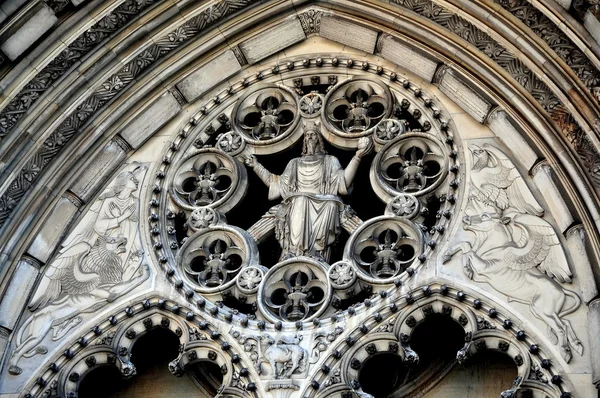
213	257
282	159
384	247
358	106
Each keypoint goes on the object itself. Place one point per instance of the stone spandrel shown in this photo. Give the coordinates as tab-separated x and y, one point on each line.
100	261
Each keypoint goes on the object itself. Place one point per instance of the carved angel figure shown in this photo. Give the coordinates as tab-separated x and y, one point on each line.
497	182
514	250
99	262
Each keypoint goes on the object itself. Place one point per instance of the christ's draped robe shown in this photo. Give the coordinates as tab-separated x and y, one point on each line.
308	220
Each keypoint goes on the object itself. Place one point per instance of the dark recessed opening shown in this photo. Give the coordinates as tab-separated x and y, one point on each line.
198	264
207	375
151	355
382	374
189	184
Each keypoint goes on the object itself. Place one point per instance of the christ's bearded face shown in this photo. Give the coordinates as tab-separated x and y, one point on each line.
312	143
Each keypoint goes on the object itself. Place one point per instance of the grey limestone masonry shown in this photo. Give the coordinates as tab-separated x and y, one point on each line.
209	75
34	28
348	33
151	119
464	96
99	169
17	294
53	229
500	123
408	58
272	40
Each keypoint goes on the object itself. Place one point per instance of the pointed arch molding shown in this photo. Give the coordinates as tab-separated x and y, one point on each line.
388	323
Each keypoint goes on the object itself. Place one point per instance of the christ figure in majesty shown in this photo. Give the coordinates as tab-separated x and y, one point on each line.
308	219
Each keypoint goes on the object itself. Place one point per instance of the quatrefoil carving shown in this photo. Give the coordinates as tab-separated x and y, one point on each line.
210	178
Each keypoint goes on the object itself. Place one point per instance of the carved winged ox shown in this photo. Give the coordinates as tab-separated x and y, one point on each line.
520	256
284	357
497	182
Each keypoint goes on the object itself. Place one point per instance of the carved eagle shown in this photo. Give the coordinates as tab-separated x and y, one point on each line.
497	182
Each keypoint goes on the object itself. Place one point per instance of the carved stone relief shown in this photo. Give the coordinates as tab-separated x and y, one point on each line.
514	249
207	182
100	261
285	282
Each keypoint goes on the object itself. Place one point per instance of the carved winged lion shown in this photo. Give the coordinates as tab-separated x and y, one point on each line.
81	269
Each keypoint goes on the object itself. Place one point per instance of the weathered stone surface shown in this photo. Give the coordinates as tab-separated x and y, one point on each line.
464	95
17	293
209	75
501	124
150	120
53	230
591	23
10	6
594	333
348	33
558	208
96	173
566	4
408	58
272	40
34	28
576	241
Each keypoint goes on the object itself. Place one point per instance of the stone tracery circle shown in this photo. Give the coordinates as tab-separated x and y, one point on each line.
382	248
265	116
209	178
354	108
414	163
213	257
295	290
